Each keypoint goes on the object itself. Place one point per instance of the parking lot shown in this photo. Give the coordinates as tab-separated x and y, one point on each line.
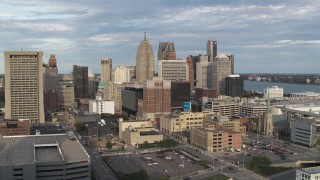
171	164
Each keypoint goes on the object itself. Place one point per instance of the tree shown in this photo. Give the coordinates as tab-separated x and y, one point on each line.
80	126
109	145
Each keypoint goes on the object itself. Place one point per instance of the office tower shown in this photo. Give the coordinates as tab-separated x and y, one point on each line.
234	85
91	84
166	51
191	72
50	80
106	69
231	57
212	49
24	85
80	80
204	92
221	68
144	61
204	72
66	96
180	93
131	96
173	70
156	98
122	74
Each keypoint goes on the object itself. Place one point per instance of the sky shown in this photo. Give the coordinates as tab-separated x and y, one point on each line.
272	36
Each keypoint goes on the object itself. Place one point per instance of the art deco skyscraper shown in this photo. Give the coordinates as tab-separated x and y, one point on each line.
144	61
50	78
166	51
24	85
106	69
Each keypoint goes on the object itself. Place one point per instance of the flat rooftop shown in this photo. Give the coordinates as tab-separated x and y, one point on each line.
311	170
33	149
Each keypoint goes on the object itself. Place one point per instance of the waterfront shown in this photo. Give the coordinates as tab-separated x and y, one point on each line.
287	88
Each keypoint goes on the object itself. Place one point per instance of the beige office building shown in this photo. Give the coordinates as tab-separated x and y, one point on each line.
221	68
173	70
106	69
24	85
213	140
224	123
66	96
123	125
181	122
252	109
140	135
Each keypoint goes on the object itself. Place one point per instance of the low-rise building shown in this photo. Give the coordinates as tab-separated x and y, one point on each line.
303	131
57	156
224	123
213	140
15	127
123	125
101	106
140	135
311	173
252	109
175	122
273	92
228	109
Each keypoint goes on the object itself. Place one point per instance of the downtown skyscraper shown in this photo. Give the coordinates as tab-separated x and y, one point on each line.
144	61
24	85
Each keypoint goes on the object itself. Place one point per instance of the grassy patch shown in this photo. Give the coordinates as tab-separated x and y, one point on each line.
318	142
260	165
217	177
270	170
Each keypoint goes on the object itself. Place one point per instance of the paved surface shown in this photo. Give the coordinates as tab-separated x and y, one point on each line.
99	168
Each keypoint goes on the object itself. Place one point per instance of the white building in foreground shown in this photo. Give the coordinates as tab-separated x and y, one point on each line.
274	92
101	106
312	173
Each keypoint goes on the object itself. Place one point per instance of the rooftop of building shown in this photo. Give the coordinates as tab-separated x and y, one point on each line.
311	170
31	149
206	129
46	129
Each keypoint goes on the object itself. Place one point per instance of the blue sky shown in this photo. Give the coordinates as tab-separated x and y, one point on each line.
270	36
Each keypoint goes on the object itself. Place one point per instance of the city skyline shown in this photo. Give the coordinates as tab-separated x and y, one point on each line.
272	37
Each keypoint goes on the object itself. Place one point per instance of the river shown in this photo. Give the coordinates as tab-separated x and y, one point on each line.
287	88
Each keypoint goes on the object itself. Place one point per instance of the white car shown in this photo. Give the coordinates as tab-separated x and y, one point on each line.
155	163
168	157
181	156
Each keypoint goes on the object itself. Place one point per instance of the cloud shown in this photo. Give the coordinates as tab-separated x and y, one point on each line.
81	30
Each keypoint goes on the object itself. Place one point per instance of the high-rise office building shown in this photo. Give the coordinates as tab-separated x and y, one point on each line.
212	49
191	70
166	51
204	72
221	68
24	85
122	74
106	69
80	80
173	70
144	61
50	79
231	57
91	84
180	93
156	98
234	85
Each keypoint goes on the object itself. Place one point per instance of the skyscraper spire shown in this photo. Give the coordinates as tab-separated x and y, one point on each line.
145	36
